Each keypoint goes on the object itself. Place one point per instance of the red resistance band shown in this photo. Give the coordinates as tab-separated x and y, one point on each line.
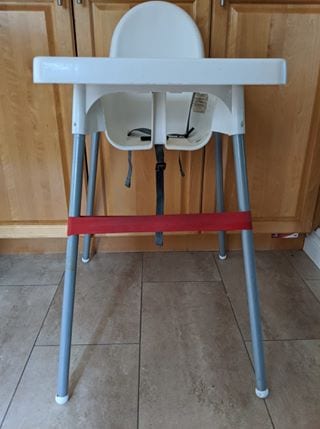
226	221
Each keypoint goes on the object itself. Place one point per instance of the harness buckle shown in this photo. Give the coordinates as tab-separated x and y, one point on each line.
160	166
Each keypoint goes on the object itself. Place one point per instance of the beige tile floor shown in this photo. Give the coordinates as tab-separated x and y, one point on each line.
161	340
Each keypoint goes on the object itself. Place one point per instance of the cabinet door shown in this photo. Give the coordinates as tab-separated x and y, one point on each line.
95	21
34	119
282	122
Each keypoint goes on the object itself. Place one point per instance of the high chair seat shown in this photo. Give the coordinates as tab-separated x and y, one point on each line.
155	30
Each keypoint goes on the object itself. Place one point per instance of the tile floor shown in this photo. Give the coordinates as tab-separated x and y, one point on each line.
161	340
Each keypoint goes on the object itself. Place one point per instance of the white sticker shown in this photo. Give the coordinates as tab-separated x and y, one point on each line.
200	103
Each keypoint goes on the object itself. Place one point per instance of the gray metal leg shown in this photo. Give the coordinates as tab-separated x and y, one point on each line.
219	191
70	273
91	190
250	269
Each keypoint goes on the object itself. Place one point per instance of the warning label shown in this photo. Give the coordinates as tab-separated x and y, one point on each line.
200	103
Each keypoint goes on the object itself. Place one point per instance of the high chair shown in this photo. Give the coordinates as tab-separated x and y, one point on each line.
156	79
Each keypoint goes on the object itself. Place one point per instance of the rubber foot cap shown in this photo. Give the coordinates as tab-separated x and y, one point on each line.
85	260
222	257
262	394
61	400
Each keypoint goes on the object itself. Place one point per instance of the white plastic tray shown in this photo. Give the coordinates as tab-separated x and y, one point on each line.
159	74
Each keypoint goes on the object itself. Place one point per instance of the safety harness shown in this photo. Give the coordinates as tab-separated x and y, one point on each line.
145	135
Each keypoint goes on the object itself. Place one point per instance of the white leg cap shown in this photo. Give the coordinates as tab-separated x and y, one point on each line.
84	260
222	257
262	394
62	399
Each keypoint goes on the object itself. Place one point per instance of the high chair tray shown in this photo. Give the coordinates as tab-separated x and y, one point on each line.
159	74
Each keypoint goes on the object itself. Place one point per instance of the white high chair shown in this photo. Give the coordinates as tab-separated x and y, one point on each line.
156	64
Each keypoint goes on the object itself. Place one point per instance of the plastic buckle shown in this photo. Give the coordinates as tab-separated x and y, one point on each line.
160	166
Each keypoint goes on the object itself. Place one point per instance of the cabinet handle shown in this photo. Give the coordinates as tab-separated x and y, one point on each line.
222	3
79	1
59	2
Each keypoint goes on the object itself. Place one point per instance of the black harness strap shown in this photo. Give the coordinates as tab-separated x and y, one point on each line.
181	166
160	167
145	135
127	183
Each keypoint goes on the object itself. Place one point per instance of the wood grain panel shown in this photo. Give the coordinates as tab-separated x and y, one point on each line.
282	123
13	231
34	136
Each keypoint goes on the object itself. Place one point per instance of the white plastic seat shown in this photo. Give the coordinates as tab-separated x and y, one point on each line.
157	29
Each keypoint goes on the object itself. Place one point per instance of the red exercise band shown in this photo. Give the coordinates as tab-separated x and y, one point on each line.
226	221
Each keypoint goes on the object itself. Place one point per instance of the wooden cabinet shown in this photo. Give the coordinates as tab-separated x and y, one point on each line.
282	123
34	120
282	126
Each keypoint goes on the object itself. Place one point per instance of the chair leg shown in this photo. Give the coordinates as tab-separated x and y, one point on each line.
250	269
70	273
91	191
219	191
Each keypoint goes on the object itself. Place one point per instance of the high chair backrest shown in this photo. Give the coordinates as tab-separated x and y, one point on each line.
156	29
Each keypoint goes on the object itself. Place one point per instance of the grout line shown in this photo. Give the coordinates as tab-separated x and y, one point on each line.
242	337
305	281
289	259
184	281
264	400
269	414
140	331
89	344
286	339
32	348
231	306
32	285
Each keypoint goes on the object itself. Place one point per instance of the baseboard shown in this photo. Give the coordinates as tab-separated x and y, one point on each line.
145	243
312	246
